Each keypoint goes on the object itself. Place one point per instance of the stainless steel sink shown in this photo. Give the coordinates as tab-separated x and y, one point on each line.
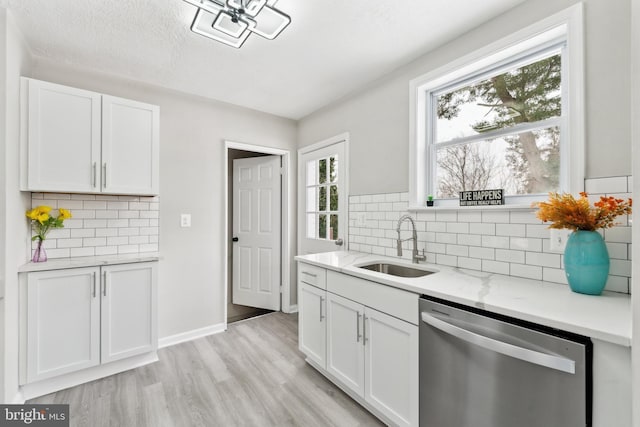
396	270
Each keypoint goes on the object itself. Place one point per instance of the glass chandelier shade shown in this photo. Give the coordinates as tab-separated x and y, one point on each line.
232	21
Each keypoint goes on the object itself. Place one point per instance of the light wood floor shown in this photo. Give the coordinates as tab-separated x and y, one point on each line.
251	375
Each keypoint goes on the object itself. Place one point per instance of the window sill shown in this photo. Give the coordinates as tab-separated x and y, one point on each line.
514	207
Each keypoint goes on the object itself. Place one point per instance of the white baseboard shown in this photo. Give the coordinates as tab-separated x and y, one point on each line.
191	335
292	309
50	385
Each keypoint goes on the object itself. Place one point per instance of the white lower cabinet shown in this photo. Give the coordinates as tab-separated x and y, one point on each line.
391	367
312	335
82	317
345	342
63	322
370	353
128	311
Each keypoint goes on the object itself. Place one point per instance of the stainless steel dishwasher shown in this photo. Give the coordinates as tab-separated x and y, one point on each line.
479	369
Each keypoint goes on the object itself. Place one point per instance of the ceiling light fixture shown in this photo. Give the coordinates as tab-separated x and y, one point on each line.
232	21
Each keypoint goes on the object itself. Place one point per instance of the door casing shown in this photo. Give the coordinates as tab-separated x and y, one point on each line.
287	223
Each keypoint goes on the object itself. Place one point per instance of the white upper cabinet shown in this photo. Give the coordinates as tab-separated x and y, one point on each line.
130	155
85	142
63	138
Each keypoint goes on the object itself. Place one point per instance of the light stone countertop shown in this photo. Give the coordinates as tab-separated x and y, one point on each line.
88	261
606	317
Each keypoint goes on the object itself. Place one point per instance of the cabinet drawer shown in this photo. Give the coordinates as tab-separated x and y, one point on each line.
387	299
312	275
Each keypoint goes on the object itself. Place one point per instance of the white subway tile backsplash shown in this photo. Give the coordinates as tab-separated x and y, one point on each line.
526	271
83	232
543	259
102	224
618	284
69	243
495	216
495	266
541	231
482	253
470	263
617	250
106	214
89	205
472	216
511	242
470	239
458	227
524	217
82	252
449	260
515	230
458	250
446	238
489	229
526	244
507	255
501	242
556	275
618	235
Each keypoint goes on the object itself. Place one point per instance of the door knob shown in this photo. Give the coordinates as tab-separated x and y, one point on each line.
235	239
339	242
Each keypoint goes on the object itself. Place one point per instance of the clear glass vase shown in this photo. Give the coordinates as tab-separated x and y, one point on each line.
39	254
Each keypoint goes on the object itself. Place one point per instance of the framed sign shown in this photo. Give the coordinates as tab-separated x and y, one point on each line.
482	197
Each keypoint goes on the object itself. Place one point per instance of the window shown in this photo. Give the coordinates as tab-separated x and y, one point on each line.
499	129
508	116
322	198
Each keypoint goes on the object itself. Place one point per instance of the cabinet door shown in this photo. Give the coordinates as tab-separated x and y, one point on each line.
63	138
312	334
345	341
128	310
391	362
63	322
130	147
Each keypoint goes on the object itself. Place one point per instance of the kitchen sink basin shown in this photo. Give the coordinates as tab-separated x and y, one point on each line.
396	270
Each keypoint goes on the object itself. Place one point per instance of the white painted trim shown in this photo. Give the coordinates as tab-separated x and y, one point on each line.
191	335
635	264
293	308
286	212
569	23
343	137
50	385
324	143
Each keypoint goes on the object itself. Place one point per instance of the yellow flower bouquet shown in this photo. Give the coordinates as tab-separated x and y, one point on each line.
42	222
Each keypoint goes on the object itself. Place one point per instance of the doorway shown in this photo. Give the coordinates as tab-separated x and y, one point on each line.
250	282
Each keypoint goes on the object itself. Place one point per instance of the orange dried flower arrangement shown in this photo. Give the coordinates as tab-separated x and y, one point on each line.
564	211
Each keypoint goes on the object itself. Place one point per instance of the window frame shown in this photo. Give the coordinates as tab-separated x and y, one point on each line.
563	28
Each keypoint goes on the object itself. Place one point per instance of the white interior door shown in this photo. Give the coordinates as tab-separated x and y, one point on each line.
323	199
256	232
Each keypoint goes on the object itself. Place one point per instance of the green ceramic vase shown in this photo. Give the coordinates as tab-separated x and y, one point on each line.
586	262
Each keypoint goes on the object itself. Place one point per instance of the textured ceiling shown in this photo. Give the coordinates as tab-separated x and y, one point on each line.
331	48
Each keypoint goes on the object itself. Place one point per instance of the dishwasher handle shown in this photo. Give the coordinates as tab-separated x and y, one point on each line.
531	356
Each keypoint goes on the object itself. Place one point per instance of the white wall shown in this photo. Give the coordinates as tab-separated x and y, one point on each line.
192	134
377	118
13	225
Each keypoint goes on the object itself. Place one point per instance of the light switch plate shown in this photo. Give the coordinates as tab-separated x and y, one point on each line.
559	239
185	220
361	219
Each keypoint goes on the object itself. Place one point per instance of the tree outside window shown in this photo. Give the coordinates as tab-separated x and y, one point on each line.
500	130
